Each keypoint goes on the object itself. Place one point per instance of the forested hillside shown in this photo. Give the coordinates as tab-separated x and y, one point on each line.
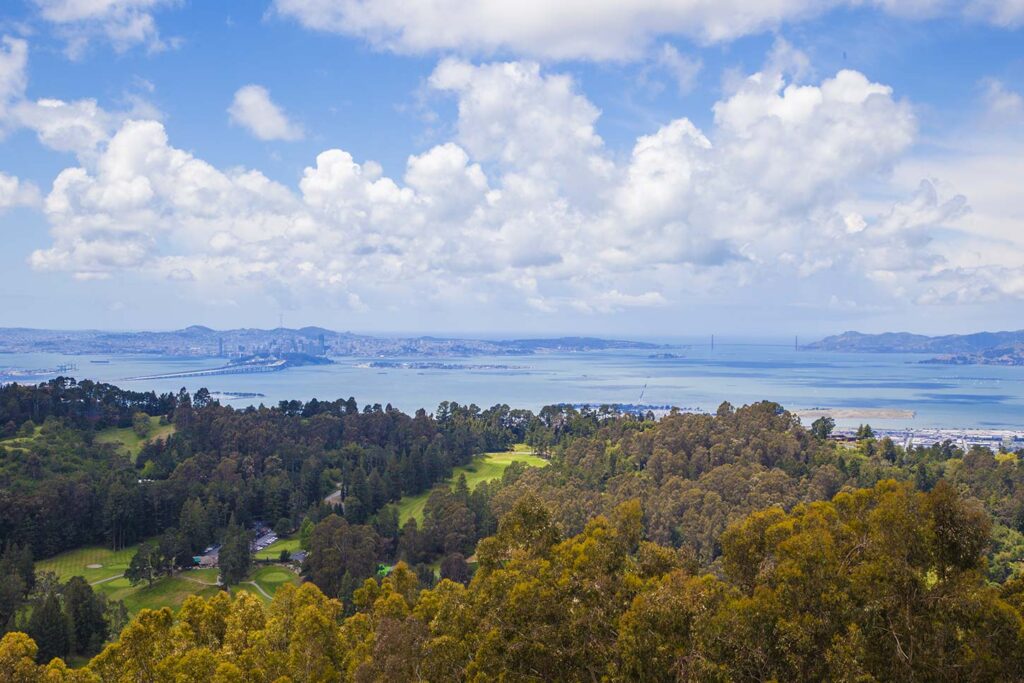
879	584
733	546
60	488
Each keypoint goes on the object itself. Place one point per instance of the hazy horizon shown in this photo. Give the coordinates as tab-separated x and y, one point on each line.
694	338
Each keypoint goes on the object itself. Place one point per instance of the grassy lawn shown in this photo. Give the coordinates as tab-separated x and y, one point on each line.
273	577
269	579
167	591
486	467
92	563
203	575
249	588
130	442
273	551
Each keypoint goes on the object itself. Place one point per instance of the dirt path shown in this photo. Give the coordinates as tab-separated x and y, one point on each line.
109	578
260	589
201	583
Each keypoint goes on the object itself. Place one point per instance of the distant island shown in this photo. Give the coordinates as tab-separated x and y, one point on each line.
980	348
204	342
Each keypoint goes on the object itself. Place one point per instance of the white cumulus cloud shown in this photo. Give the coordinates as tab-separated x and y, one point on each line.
253	109
122	23
527	207
16	192
81	127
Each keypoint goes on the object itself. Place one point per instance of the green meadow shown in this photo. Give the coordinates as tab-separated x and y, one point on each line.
264	581
273	551
93	563
131	443
486	467
103	568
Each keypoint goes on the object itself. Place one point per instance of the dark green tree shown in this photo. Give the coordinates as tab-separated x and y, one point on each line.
144	565
822	427
283	527
85	610
455	568
49	627
235	558
341	556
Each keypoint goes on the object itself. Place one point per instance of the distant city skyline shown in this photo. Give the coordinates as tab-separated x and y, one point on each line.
641	170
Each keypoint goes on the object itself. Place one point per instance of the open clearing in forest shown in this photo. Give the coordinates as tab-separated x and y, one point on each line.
103	568
169	591
486	467
130	442
269	579
93	563
273	551
21	443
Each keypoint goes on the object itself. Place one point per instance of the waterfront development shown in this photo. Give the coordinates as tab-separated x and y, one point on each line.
1005	440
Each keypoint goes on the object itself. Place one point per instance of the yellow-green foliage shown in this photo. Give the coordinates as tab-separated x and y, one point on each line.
878	584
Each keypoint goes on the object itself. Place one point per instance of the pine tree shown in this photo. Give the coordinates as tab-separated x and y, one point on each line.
235	555
48	626
85	611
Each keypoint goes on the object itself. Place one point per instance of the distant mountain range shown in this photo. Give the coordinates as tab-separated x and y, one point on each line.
199	341
981	348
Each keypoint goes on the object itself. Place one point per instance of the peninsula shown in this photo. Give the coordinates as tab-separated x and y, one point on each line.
198	341
980	348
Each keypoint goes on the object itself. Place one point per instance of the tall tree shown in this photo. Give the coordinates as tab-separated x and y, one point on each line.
144	565
341	555
49	627
85	610
235	557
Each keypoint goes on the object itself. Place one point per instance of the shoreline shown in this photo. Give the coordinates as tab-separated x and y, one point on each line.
857	413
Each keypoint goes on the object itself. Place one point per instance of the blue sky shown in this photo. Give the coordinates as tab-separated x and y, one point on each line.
658	168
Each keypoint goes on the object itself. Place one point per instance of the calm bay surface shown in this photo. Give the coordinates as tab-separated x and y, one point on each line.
940	395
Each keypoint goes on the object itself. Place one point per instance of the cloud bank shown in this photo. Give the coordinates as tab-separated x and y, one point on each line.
526	206
591	29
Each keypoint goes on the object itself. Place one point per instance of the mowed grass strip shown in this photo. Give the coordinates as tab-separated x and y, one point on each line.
269	579
103	568
273	551
93	563
170	591
272	578
130	442
486	467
